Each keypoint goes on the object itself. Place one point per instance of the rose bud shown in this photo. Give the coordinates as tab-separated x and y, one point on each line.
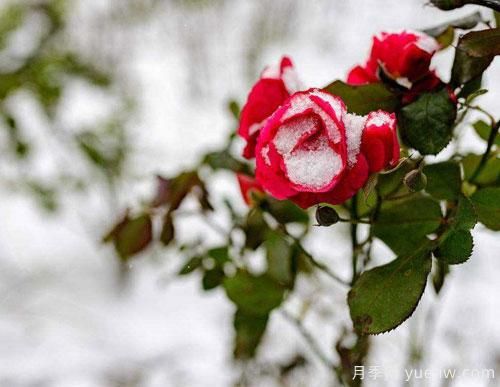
275	85
310	150
403	58
415	180
326	216
248	187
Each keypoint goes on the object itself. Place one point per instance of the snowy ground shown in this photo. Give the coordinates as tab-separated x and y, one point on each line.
63	321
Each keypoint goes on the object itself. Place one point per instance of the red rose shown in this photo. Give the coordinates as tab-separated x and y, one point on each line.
275	85
247	185
404	57
312	151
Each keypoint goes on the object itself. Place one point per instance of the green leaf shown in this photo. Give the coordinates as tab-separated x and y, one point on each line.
456	247
439	275
220	255
224	160
131	235
384	297
249	330
191	265
443	180
447	5
470	87
483	130
168	230
467	67
404	224
490	174
472	96
497	18
427	124
484	43
279	258
254	294
364	98
464	216
285	211
212	278
486	202
465	23
445	39
255	229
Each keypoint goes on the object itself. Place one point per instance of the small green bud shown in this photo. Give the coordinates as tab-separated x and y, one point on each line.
415	180
446	5
326	216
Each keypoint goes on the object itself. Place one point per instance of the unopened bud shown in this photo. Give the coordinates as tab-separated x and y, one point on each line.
326	216
415	180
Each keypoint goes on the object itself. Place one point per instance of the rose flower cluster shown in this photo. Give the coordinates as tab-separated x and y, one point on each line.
307	147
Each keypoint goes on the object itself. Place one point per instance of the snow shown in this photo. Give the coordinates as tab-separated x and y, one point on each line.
315	167
379	118
289	133
354	126
291	80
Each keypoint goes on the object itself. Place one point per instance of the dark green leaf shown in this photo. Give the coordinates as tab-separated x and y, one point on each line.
464	23
191	265
255	229
456	247
464	216
439	275
234	108
254	294
168	230
486	202
490	174
479	44
467	67
427	124
443	180
470	87
383	297
447	5
224	160
472	96
220	255
284	211
212	278
364	98
279	258
249	330
404	224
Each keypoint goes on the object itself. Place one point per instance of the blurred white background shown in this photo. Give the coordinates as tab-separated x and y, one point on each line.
65	320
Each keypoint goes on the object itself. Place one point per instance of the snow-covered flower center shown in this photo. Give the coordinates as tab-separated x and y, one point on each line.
309	159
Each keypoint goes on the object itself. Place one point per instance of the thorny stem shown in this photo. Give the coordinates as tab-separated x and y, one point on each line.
309	339
486	154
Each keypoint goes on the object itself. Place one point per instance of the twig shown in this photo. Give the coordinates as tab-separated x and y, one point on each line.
486	155
309	339
319	265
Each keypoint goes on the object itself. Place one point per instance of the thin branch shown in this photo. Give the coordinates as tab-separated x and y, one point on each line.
309	339
319	265
486	155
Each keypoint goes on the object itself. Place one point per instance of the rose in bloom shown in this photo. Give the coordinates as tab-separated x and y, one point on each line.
404	58
275	85
311	150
